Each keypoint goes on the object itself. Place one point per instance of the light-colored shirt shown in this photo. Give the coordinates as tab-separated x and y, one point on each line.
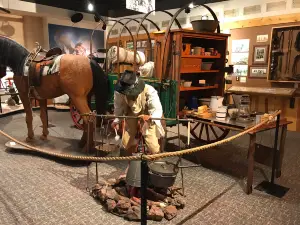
147	100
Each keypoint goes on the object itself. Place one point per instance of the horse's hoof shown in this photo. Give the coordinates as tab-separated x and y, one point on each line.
29	139
43	137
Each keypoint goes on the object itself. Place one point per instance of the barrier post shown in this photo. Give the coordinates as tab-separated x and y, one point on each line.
271	187
144	184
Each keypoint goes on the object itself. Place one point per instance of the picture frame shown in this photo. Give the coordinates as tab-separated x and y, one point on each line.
258	72
260	54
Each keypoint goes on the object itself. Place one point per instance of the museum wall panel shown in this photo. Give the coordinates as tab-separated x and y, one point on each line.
260	102
12	26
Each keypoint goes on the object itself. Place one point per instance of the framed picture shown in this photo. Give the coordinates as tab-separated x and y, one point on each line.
259	72
73	40
240	46
144	44
260	54
240	70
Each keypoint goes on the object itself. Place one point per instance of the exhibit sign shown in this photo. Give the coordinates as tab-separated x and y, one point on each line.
258	72
262	38
143	6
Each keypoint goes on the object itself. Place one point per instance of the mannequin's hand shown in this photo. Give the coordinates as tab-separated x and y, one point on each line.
145	117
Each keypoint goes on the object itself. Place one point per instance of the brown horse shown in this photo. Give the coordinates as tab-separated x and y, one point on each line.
78	76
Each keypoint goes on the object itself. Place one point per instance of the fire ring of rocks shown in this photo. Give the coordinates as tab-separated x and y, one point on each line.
120	199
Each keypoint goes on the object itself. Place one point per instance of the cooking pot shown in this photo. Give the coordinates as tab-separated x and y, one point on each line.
205	25
162	174
216	102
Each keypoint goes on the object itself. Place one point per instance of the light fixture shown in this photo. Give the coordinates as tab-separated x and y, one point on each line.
90	7
191	5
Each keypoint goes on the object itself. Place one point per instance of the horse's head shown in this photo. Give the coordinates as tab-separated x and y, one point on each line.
2	71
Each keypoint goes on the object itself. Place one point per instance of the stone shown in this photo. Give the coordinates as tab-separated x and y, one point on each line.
155	213
97	187
111	194
123	206
122	191
111	205
101	183
170	212
133	203
178	202
112	181
102	194
137	200
133	213
121	181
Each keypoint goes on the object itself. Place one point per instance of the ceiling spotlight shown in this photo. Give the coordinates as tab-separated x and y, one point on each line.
191	5
187	10
90	7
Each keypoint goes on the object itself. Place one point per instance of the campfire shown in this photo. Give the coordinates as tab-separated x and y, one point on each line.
123	200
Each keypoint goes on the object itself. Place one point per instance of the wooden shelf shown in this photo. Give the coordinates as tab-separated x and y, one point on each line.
285	81
202	56
201	71
198	88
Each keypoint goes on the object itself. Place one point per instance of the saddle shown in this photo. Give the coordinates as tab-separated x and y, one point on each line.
43	55
38	59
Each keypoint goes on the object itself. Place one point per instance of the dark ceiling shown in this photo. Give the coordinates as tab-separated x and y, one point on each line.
114	8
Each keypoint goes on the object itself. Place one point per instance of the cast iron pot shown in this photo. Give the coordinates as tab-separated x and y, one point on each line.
162	174
205	25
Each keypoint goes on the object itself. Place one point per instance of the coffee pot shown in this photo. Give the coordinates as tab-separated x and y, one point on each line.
244	108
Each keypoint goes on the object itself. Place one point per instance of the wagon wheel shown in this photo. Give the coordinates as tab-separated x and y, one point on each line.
76	117
210	135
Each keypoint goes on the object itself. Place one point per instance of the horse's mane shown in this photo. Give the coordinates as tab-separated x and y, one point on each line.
12	54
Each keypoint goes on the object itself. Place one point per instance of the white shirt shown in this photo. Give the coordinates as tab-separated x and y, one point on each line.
153	105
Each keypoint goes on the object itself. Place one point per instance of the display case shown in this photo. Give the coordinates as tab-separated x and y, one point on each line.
284	57
195	60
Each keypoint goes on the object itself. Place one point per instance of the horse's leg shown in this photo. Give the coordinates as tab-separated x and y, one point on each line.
29	117
44	118
81	105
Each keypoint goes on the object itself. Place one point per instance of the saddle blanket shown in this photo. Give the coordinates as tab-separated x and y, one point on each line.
48	69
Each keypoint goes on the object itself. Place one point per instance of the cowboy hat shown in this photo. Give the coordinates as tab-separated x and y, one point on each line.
130	84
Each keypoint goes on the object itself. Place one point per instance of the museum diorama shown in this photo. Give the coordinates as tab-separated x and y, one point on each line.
168	90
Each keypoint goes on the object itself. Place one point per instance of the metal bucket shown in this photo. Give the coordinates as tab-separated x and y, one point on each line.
133	176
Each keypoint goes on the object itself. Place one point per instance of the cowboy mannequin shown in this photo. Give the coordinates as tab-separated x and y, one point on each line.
133	97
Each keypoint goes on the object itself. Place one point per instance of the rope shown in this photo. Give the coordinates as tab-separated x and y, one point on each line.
144	157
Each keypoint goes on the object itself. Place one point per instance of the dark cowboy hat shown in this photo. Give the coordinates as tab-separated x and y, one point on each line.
130	84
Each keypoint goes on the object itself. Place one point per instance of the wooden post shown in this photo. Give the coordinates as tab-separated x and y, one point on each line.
90	134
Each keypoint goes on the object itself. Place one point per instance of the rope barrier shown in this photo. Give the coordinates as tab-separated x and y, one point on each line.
144	157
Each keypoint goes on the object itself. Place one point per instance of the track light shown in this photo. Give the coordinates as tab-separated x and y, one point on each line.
90	7
191	5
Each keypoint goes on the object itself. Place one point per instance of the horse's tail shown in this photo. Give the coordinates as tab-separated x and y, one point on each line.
100	87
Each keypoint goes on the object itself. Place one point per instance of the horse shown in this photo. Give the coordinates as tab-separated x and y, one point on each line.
79	77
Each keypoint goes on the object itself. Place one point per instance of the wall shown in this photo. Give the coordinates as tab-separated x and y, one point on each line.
228	12
12	26
260	103
30	21
251	33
